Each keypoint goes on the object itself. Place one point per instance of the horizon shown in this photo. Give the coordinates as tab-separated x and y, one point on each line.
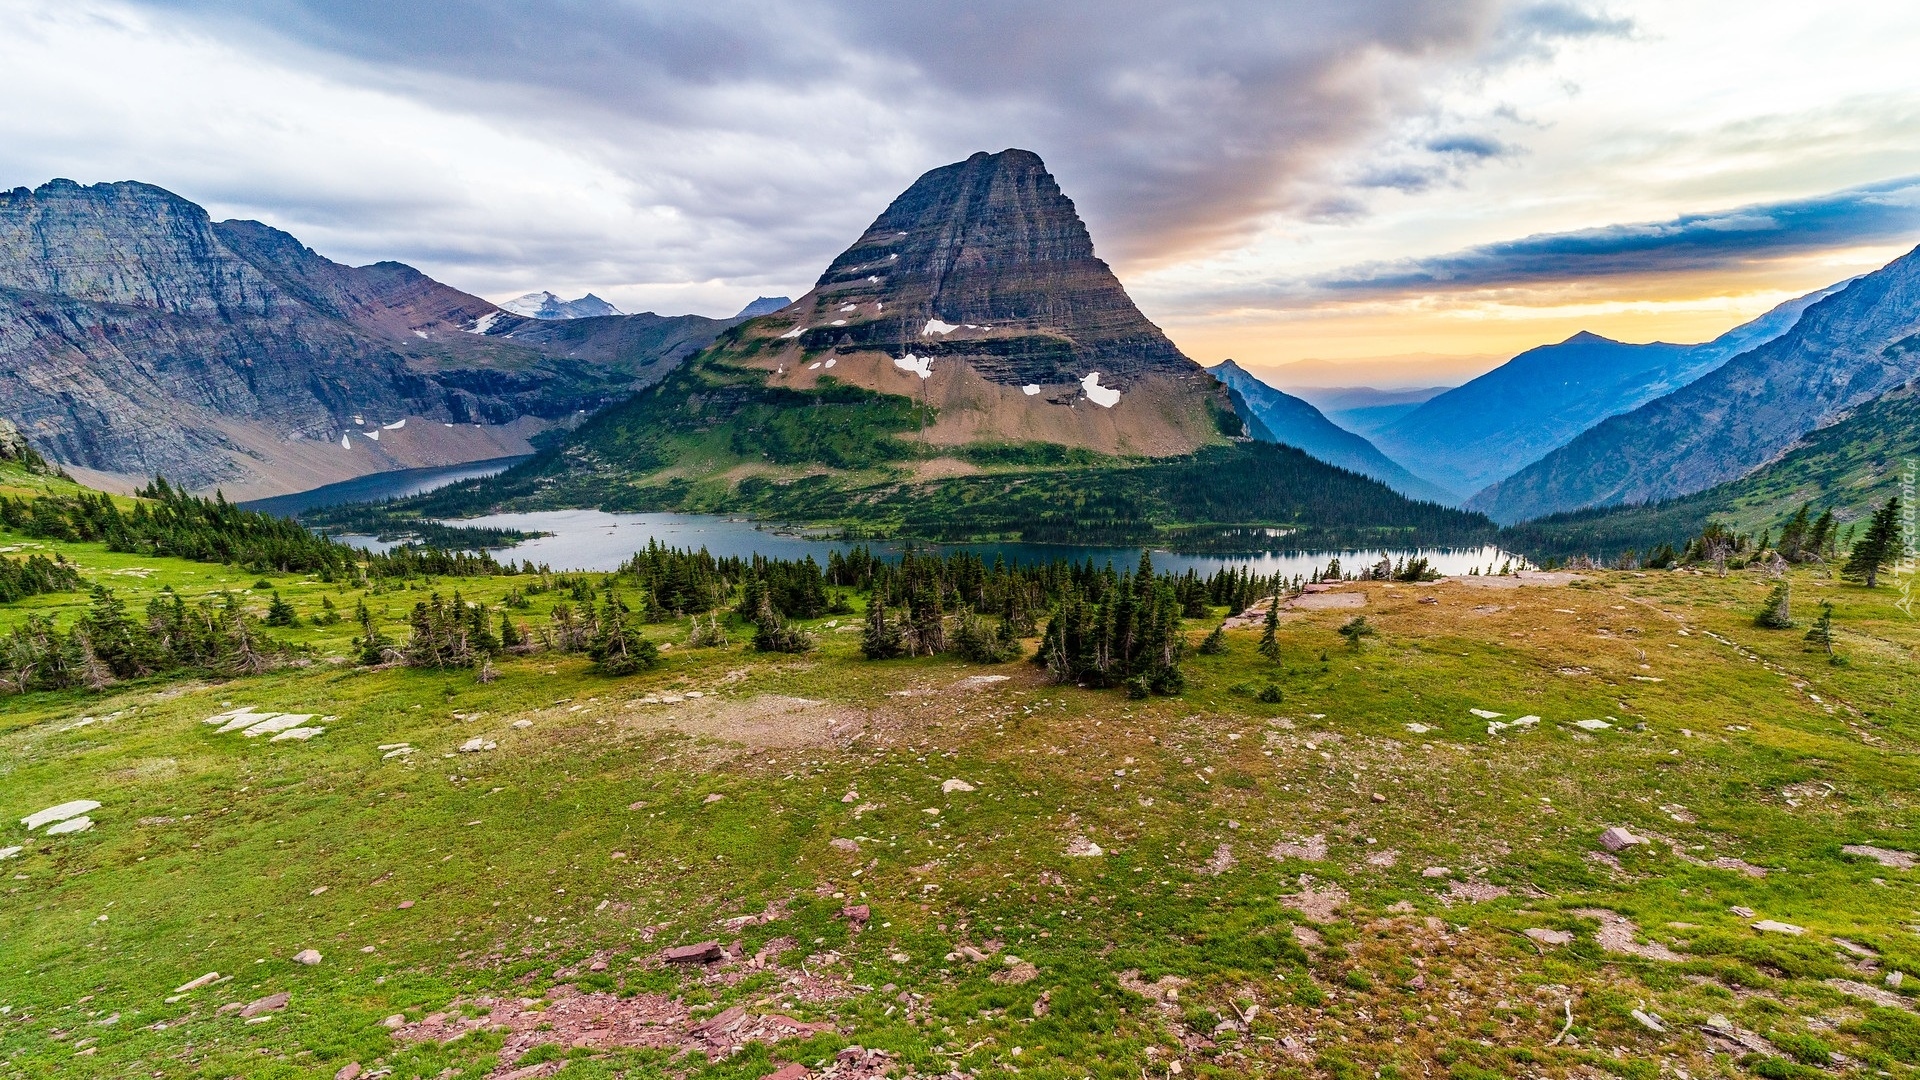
1410	194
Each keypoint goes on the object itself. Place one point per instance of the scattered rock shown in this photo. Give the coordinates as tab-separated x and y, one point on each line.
1743	912
792	1070
1650	1021
1895	979
856	914
1892	860
349	1071
475	745
706	952
1771	926
71	825
10	852
523	723
195	984
308	957
955	784
1080	846
1308	937
711	799
841	843
1483	713
404	904
1856	949
1379	797
1549	937
1592	725
1383	859
1418	729
1474	892
270	1003
1619	839
1222	860
1308	849
394	1022
1435	872
1015	971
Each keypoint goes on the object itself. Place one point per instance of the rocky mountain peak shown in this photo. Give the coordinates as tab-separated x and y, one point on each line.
987	260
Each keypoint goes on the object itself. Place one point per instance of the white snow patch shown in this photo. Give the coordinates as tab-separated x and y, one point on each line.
919	365
374	435
395	426
832	360
935	326
484	323
345	445
59	813
421	334
1031	389
848	307
795	332
838	322
1104	396
815	366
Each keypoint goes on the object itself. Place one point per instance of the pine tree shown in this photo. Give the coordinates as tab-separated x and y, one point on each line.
1354	629
510	637
1821	635
1777	613
619	648
1878	547
281	613
373	644
1270	632
1794	535
880	639
1216	642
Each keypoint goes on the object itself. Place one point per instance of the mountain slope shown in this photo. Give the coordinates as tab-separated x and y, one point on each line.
545	305
139	337
967	367
1487	429
1850	467
1846	349
1365	410
1291	420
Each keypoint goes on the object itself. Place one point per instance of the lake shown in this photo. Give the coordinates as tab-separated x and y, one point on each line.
379	487
597	540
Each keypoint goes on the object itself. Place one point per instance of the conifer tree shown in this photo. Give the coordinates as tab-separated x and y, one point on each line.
1878	547
880	640
281	613
1777	612
1820	636
1216	642
1270	631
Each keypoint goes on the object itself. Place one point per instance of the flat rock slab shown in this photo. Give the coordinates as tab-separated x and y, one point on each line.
272	724
705	952
59	813
1619	839
1549	937
270	1003
71	825
1774	926
1892	860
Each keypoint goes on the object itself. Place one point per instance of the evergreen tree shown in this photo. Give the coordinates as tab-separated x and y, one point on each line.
1354	629
1270	631
1216	642
881	639
1878	547
510	637
618	647
1794	535
1777	612
372	643
281	613
1820	636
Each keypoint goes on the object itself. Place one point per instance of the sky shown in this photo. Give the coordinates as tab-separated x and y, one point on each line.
1383	192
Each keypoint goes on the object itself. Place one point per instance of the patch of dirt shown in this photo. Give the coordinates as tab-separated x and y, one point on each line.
1883	998
1165	989
1320	905
602	1020
1222	860
1472	892
1327	601
1308	849
1515	581
761	722
1892	860
1616	936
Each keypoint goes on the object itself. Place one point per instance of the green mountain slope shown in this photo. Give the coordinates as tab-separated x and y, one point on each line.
1850	467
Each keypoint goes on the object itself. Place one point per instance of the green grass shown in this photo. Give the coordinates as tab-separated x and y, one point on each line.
209	848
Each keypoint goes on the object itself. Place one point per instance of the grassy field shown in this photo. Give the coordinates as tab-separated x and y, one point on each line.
1341	884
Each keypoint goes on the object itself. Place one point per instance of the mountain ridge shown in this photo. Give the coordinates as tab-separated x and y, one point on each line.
1846	348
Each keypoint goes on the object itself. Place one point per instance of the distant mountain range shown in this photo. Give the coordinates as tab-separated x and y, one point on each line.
763	305
137	337
1844	350
545	305
1490	428
967	368
1365	410
1284	418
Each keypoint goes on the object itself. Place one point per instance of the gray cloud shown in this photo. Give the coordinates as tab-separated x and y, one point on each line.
1878	213
773	131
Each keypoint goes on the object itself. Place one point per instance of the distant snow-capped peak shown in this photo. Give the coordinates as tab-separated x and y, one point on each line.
545	305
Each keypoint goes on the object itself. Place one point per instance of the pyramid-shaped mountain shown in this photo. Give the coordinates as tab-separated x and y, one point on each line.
981	282
968	369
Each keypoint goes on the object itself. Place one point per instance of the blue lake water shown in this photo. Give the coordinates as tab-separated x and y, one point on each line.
597	540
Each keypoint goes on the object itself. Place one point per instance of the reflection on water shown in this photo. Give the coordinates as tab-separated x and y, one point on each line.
597	540
379	487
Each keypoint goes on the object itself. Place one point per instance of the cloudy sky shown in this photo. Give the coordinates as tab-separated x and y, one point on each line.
1412	190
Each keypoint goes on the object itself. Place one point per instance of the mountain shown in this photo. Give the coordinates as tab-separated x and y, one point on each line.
763	305
1844	350
1850	467
967	368
1365	410
545	305
1490	428
1287	419
137	336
